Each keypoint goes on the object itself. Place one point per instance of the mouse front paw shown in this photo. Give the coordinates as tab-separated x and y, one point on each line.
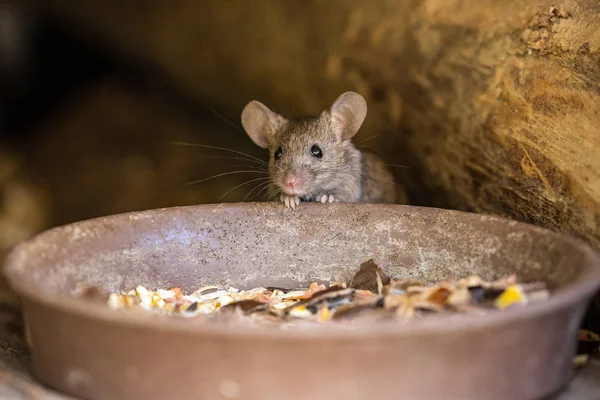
290	201
325	198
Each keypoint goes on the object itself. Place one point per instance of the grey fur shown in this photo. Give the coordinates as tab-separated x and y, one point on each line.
343	172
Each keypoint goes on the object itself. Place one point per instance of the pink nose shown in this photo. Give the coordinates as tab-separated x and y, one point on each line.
292	180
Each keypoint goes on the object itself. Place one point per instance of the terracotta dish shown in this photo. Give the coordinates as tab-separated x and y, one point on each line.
88	350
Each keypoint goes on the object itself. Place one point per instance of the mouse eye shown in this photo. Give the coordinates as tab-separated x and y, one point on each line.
316	151
278	153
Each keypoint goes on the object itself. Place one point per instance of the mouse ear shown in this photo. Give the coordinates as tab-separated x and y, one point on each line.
259	122
347	114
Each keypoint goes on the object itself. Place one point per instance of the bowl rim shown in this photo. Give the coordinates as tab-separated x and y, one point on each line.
571	295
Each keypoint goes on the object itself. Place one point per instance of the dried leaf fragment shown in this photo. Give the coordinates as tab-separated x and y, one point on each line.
366	276
345	311
461	295
333	296
312	290
438	294
247	306
400	287
372	295
585	335
588	342
177	292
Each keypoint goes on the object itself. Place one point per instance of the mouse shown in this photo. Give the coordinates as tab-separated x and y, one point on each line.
313	159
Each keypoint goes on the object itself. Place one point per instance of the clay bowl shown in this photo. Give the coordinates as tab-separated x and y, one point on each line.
85	349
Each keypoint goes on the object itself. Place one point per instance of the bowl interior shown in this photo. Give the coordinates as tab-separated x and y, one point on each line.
249	245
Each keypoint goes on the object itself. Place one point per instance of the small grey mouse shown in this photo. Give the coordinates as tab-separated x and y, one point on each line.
313	158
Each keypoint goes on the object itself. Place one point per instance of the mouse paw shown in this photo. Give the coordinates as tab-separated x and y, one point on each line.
326	198
290	201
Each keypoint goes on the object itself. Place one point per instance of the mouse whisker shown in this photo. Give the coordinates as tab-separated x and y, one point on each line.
275	192
398	166
257	167
228	122
263	185
242	184
367	139
219	148
262	164
224	174
386	181
261	194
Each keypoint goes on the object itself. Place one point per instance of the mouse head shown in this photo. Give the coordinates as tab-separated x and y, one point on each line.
306	154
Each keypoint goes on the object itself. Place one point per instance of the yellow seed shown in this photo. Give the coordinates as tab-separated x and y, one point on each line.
300	312
324	314
142	291
580	360
511	295
155	300
116	301
460	296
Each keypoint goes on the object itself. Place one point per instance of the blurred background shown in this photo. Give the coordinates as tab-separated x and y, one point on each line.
485	106
88	124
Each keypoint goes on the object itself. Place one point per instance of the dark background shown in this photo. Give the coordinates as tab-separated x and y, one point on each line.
86	133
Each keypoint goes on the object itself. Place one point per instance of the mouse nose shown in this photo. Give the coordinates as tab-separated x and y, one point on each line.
292	180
